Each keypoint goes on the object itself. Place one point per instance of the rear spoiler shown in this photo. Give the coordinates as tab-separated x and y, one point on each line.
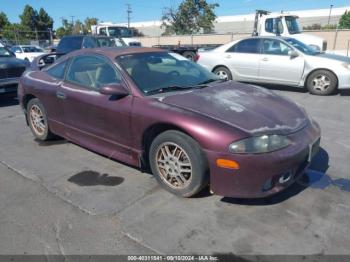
45	60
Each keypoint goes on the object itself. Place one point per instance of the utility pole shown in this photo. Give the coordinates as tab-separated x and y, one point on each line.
128	11
62	19
72	16
330	12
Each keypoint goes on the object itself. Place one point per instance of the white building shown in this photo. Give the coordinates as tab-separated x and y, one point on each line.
244	23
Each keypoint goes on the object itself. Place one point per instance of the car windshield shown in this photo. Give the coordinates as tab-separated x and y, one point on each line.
4	52
119	31
106	42
32	49
157	72
301	46
292	24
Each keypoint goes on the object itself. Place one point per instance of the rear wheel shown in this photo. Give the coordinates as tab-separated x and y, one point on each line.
189	55
178	163
322	82
223	73
37	119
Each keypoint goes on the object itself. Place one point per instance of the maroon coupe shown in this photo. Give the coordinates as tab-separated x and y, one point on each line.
151	108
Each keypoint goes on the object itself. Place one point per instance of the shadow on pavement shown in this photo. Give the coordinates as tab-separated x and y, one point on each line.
92	178
315	177
8	100
56	141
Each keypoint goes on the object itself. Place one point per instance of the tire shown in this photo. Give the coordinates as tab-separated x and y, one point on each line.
189	55
37	119
223	72
322	82
166	167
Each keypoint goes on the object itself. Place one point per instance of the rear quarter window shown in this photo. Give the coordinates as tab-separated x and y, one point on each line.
57	71
69	44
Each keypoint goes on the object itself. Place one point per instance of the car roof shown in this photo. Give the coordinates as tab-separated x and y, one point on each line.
113	52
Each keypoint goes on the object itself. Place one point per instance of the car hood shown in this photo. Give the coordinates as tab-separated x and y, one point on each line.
9	62
308	39
251	109
339	58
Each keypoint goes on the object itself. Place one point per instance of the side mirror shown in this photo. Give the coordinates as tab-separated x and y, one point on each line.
293	53
18	51
114	90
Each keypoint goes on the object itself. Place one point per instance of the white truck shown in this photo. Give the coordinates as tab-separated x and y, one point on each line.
284	24
118	32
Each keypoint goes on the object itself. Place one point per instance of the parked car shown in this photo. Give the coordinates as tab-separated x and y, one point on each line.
279	60
11	69
6	43
75	42
27	52
148	107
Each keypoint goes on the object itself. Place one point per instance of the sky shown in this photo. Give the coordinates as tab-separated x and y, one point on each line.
148	10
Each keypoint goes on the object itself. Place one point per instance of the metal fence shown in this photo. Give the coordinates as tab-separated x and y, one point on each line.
17	37
336	39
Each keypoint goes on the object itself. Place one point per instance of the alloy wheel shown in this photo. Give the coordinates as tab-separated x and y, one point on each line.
321	83
174	165
222	74
37	120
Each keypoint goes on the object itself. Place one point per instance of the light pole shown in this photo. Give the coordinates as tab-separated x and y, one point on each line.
330	12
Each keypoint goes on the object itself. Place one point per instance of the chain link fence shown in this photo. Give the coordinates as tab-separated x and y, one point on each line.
16	37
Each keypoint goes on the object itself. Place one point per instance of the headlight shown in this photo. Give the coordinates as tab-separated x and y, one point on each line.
259	144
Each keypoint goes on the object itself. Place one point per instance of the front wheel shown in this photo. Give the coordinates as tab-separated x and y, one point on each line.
223	73
322	82
37	119
178	163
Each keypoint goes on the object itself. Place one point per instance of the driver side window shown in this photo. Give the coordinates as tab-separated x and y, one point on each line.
92	72
275	47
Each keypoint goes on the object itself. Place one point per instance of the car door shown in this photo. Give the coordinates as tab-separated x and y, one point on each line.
277	66
92	119
53	105
243	59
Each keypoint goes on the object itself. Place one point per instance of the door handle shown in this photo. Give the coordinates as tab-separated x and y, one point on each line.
228	56
61	95
265	59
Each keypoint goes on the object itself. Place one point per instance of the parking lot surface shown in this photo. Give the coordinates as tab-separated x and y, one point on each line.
62	198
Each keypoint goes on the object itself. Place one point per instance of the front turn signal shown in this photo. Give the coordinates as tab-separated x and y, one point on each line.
225	163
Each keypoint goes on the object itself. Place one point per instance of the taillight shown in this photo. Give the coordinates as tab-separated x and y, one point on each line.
196	57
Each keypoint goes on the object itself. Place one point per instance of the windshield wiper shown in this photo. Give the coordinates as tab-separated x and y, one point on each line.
172	88
211	81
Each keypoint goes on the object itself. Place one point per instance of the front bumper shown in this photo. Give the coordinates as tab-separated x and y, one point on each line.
261	175
343	79
8	85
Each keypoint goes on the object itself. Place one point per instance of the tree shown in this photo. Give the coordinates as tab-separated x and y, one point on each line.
17	33
3	20
88	22
44	24
29	18
60	32
192	16
344	21
312	27
65	29
78	28
136	32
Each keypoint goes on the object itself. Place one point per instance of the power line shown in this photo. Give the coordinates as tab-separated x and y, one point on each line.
128	11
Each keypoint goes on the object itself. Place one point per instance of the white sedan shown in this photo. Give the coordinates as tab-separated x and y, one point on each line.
27	52
281	61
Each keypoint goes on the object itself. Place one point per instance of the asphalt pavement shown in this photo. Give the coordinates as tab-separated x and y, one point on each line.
59	198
